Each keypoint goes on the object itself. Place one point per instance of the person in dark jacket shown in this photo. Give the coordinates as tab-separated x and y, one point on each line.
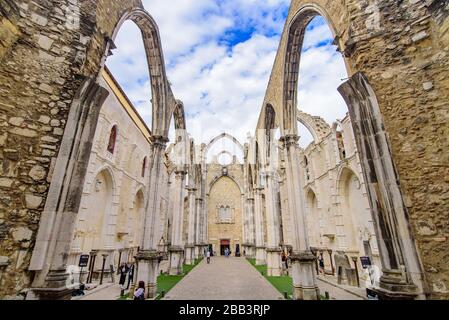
139	294
131	268
123	273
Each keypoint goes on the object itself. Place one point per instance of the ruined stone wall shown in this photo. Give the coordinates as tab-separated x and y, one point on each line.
47	48
401	46
225	191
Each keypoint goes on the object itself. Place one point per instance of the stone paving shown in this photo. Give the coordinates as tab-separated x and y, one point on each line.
224	279
105	292
336	293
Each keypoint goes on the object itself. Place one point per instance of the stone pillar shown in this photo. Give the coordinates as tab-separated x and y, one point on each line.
204	228
252	227
148	257
198	225
147	271
250	241
304	278
403	275
57	223
176	249
190	247
274	261
259	228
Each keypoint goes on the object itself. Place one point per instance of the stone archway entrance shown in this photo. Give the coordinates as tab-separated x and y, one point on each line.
224	244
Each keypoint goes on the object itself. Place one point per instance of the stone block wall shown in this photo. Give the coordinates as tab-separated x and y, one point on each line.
47	49
401	46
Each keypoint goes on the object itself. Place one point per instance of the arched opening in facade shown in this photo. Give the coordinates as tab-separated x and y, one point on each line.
224	143
225	216
352	209
136	227
92	234
128	64
321	71
144	167
64	199
112	139
313	220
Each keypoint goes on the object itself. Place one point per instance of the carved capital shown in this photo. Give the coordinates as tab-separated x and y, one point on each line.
159	142
290	140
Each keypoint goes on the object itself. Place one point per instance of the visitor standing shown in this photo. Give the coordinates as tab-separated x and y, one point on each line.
131	275
321	264
123	270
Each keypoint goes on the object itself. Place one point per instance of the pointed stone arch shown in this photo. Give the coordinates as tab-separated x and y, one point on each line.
317	126
220	137
295	32
216	179
160	87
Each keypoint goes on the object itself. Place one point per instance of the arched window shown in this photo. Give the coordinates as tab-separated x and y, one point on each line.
341	145
306	164
144	166
112	140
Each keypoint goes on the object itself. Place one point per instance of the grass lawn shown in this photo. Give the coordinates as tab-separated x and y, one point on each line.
283	284
166	282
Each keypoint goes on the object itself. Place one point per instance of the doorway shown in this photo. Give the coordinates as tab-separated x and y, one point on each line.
224	244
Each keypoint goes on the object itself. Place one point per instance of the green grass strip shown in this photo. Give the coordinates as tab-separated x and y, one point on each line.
284	284
166	282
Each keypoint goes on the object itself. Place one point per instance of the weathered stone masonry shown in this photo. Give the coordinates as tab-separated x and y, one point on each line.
401	47
47	49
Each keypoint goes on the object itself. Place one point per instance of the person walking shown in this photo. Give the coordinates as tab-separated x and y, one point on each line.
123	272
139	294
208	256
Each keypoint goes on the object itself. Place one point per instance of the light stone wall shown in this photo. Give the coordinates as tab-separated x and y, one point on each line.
225	191
112	206
338	211
401	47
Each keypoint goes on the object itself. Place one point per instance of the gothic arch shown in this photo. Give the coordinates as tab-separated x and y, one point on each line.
349	208
99	212
108	169
313	217
160	88
316	125
179	116
295	33
218	138
214	181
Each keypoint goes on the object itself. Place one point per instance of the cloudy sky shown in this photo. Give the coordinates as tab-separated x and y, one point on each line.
219	55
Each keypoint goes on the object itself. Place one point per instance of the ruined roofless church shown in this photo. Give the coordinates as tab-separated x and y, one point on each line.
83	175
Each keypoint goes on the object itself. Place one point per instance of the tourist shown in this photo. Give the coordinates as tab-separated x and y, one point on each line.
123	272
321	264
139	294
208	257
130	275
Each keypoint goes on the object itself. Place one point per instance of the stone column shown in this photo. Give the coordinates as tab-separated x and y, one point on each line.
252	225
177	247
259	228
148	257
205	227
274	261
249	206
304	278
402	271
190	246
57	223
198	225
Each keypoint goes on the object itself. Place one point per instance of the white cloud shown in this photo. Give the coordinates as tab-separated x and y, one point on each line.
219	56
